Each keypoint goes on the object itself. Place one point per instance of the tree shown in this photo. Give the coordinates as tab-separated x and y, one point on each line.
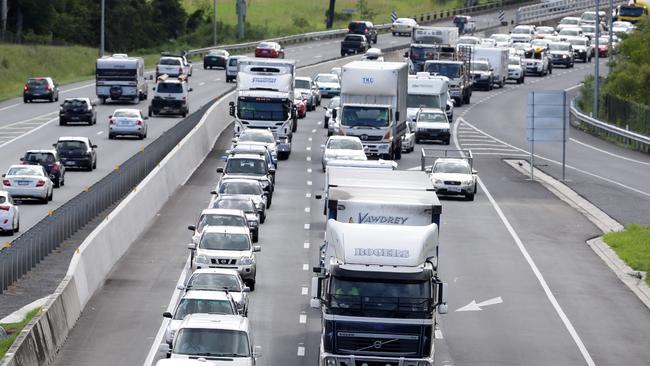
170	17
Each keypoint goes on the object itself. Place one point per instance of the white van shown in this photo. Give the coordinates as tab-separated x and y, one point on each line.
232	68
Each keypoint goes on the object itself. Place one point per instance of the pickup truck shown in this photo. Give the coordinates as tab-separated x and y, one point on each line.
354	43
173	65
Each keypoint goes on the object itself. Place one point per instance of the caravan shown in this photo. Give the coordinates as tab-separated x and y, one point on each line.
120	77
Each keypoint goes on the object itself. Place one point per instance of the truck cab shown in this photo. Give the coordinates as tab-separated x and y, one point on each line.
426	91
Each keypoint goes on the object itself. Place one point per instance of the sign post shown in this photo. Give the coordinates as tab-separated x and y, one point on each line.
547	121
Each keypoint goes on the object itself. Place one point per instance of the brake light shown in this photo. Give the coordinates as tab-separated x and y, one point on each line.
365	30
4	207
139	122
6	182
110	121
180	70
388	135
56	165
49	88
40	183
26	88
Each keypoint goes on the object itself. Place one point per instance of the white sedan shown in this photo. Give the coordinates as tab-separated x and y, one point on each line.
9	216
28	181
342	148
454	176
403	26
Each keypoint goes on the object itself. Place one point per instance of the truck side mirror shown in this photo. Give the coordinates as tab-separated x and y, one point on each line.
167	314
314	302
220	170
396	116
406	54
442	298
191	228
232	108
334	113
257	351
191	246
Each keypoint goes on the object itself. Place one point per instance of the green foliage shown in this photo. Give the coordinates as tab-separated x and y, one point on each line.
633	246
365	12
13	330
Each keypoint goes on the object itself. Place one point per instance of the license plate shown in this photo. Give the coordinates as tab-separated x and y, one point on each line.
23	182
454	189
74	118
71	162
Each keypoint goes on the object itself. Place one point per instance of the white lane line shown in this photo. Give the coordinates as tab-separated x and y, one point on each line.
302	319
42	116
202	83
438	334
306	226
100	132
10	106
28	132
308	148
305	267
609	153
309	182
313	131
309	170
307	195
172	302
307	209
318	56
217	79
573	87
301	351
556	162
306	245
536	271
304	290
308	158
309	139
77	88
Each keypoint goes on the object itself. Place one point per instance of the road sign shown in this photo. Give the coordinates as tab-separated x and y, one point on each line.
547	119
501	15
393	16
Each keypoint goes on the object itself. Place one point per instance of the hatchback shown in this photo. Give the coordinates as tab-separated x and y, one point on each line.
216	58
40	88
269	50
49	159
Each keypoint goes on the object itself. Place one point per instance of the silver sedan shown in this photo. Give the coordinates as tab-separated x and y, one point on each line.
127	122
28	181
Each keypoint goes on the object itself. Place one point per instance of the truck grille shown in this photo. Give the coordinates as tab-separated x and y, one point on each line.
223	261
452	183
365	138
401	345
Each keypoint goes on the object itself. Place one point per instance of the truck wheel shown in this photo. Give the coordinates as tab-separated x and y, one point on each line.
398	151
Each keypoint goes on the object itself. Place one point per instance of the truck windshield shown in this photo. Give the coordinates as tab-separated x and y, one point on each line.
246	166
451	167
212	342
422	101
224	241
480	66
421	53
380	297
357	116
267	110
449	70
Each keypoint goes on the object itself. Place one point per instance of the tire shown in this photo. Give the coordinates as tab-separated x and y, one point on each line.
255	236
62	180
141	137
417	141
469	197
17	229
57	184
446	142
294	125
268	201
262	217
251	285
62	122
184	114
94	166
398	152
111	136
25	100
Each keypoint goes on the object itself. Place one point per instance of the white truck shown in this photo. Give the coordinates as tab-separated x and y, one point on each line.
498	58
423	44
120	77
265	95
427	91
379	292
373	106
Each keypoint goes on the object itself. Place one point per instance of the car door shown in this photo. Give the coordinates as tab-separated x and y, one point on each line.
93	152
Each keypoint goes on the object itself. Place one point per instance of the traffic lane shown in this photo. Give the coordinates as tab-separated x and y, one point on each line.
590	294
480	261
119	323
604	173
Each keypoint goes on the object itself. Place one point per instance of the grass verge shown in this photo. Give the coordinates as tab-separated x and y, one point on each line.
13	330
633	246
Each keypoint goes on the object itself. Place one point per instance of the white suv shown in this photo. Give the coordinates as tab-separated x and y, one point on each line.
170	97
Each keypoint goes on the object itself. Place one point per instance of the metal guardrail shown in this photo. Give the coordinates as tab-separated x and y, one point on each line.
423	18
551	10
27	250
632	139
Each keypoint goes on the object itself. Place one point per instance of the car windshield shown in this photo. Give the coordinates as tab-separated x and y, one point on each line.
569	21
514	61
521	31
211	342
358	116
422	101
75	103
588	17
569	32
354	38
37	82
70	145
468	40
480	66
169	88
39	157
327	78
220	220
544	30
432	117
25	170
449	70
500	37
205	306
303	84
217	53
130	114
578	42
560	46
240	188
244	205
357	27
344	144
588	28
214	281
256	136
232	62
224	241
247	166
266	110
169	61
451	167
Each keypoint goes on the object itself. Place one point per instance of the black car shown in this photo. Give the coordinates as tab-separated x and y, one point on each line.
562	54
49	159
353	43
40	88
77	152
77	110
364	28
216	58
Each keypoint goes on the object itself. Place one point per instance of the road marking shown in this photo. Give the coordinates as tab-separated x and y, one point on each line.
554	162
307	209
307	195
305	267
573	87
313	131
609	153
438	334
532	265
302	319
309	182
301	351
309	158
100	132
308	170
77	88
306	226
304	290
10	106
318	56
28	132
474	306
309	139
217	79
308	148
306	245
202	83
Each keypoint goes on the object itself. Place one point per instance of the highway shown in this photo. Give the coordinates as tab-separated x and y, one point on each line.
561	305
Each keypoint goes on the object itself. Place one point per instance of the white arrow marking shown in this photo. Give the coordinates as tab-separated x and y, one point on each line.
473	306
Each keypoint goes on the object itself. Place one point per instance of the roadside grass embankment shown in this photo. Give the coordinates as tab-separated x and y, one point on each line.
13	330
633	246
65	64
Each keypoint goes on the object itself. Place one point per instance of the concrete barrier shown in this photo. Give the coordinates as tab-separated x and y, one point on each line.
40	340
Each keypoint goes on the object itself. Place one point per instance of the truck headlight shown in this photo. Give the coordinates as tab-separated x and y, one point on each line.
246	261
330	361
201	259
